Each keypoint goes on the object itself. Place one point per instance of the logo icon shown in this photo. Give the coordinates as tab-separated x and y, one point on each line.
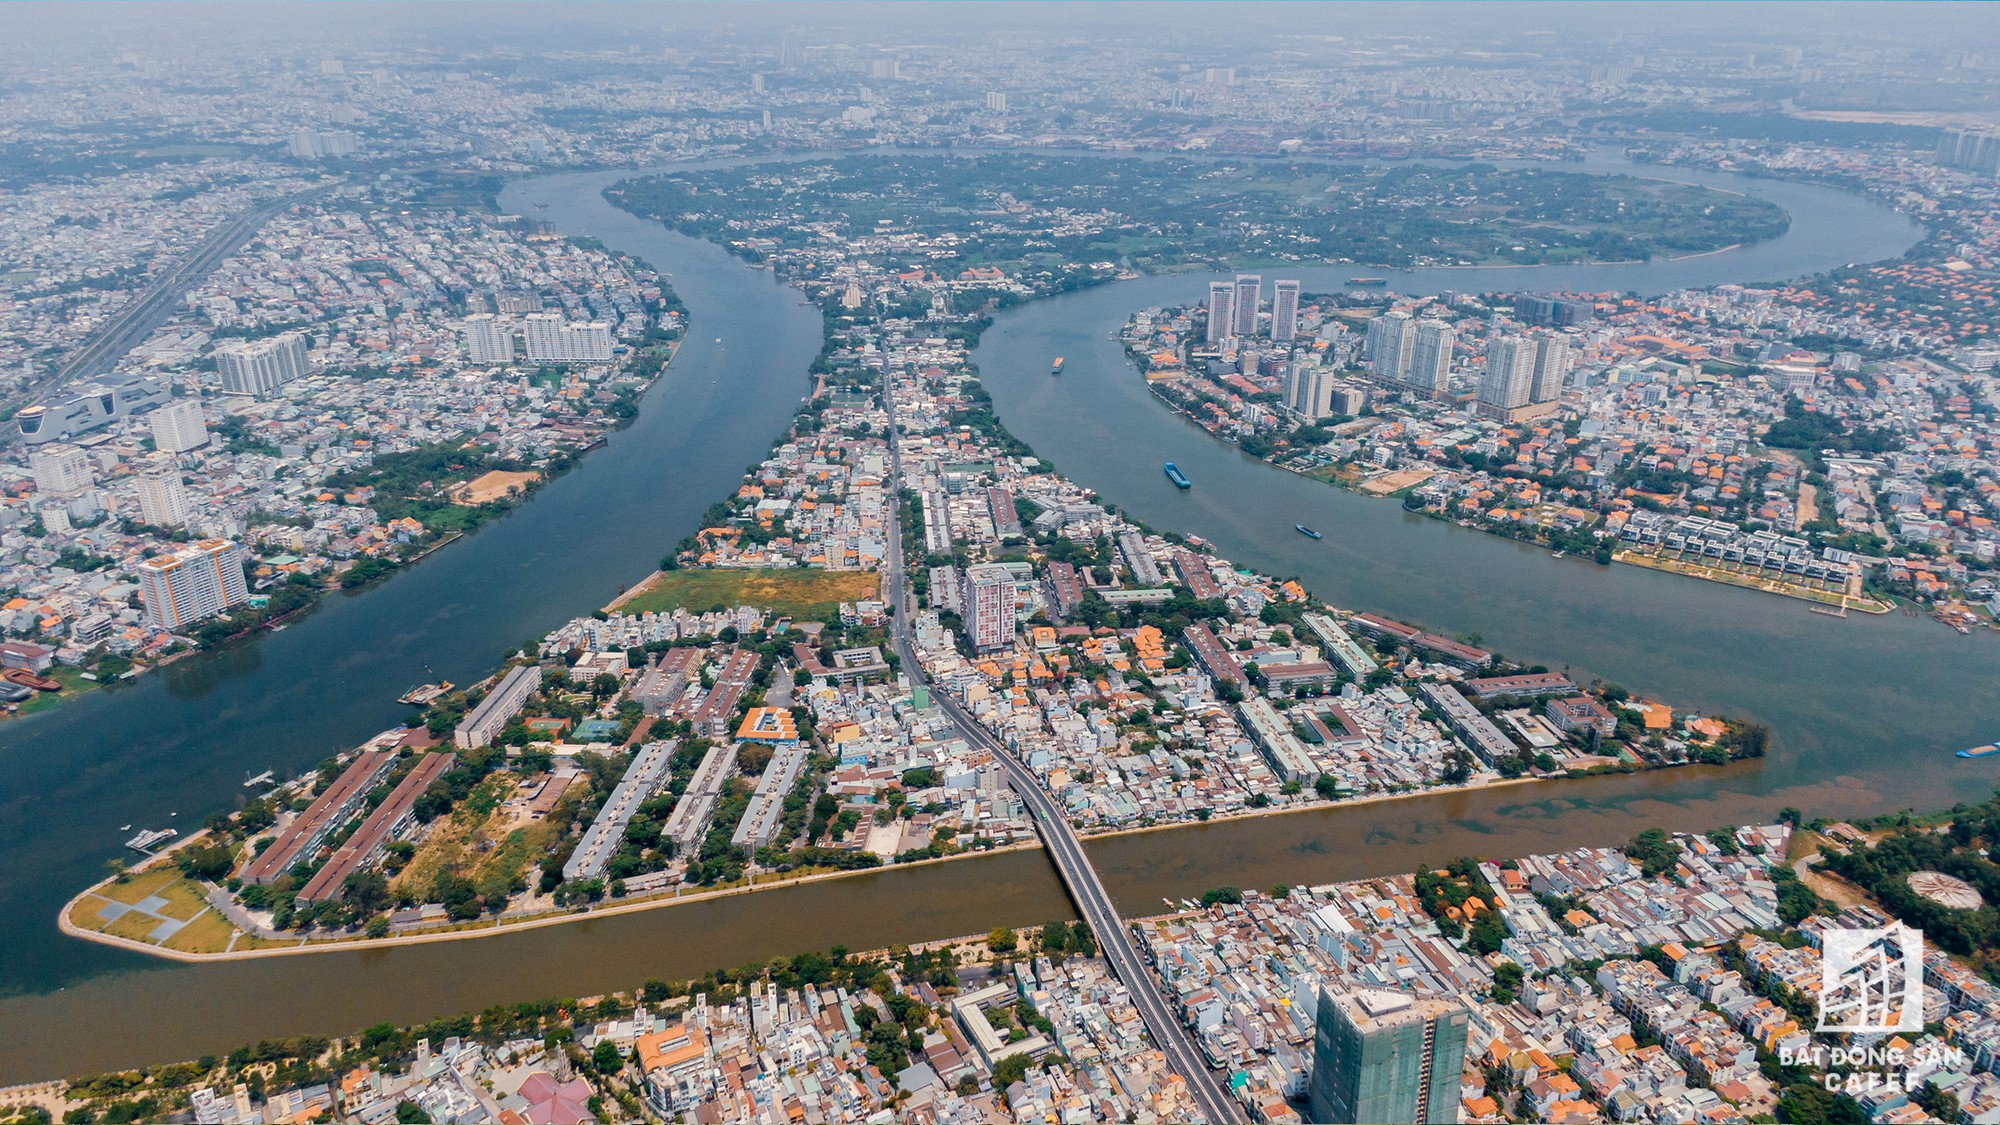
1872	979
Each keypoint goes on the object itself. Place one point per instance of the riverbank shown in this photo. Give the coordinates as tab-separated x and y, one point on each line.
1607	550
1844	710
1843	601
486	928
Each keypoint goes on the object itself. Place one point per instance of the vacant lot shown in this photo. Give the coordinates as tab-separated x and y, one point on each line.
801	593
496	485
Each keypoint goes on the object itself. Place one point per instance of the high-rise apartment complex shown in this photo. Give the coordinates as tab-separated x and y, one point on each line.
1284	310
1974	150
1307	387
178	426
489	339
1430	356
552	339
1221	311
1551	368
62	471
1391	346
194	583
258	367
1505	389
989	607
1249	294
163	499
1386	1057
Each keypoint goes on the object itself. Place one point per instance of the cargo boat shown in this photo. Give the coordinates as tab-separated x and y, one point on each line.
1369	282
1056	367
1979	752
1308	532
28	679
425	694
1179	478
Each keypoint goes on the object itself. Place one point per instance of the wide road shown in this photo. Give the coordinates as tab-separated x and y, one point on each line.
1059	839
150	309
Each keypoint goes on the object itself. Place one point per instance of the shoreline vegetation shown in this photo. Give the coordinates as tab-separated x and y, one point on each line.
1829	866
487	927
1400	482
455	505
695	589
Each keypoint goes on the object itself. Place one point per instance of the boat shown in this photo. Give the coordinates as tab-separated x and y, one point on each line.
1179	478
1369	282
261	779
28	679
1308	532
1979	752
1056	367
425	694
146	841
1558	554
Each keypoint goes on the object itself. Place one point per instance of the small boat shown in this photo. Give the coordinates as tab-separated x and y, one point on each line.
1308	532
1979	752
1558	554
1056	367
124	828
1179	478
1369	282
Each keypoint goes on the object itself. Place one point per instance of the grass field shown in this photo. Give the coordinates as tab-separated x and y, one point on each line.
801	593
73	685
141	885
184	902
209	933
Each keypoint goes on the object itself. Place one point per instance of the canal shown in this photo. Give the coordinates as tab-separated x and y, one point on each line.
1864	710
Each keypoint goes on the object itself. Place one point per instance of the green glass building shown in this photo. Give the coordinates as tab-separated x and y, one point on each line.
1386	1058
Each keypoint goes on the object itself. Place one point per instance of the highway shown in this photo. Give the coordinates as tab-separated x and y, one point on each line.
138	318
1059	839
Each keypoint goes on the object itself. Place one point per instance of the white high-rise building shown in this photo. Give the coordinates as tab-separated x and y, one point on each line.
1391	346
1221	311
62	471
1505	390
192	584
1551	368
1430	355
1309	391
1284	310
1249	294
989	607
552	339
163	499
996	101
179	426
488	339
258	367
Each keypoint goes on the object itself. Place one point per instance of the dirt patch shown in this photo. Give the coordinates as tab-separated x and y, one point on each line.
488	487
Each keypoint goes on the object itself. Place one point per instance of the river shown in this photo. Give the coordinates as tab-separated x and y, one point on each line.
1863	709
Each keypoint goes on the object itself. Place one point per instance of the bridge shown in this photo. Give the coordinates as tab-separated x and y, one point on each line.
1059	839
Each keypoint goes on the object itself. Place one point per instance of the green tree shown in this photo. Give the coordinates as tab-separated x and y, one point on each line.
1009	1070
606	1057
